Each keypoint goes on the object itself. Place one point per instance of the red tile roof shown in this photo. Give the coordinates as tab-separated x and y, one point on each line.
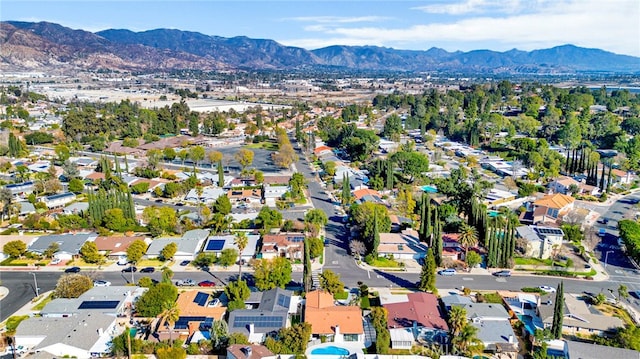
422	308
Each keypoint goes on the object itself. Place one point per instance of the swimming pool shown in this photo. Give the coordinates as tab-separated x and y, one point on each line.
330	350
429	189
528	323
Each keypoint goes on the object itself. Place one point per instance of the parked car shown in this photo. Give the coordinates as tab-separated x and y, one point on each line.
547	289
72	270
186	282
101	283
447	272
123	261
147	270
184	263
55	261
503	273
130	269
207	283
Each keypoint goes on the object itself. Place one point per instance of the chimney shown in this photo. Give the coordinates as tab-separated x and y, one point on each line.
511	339
337	329
251	328
247	351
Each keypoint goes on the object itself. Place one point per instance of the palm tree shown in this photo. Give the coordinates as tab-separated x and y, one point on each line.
169	316
466	340
240	241
457	320
468	237
6	198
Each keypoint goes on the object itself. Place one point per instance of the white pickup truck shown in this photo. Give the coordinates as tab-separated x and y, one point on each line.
185	282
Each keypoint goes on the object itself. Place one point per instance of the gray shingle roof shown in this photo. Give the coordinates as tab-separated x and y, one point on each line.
486	310
69	243
79	331
578	350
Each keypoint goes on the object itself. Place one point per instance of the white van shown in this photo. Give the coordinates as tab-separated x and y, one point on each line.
123	261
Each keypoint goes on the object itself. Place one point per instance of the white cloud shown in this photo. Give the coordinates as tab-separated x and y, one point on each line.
610	25
337	19
472	6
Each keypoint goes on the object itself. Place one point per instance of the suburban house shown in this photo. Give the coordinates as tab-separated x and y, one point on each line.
58	200
276	180
68	244
288	245
86	335
494	328
198	310
621	177
319	151
578	350
248	351
76	208
455	299
579	317
496	197
562	185
271	315
551	207
216	244
188	245
337	323
416	319
114	246
20	189
541	241
272	193
113	301
367	195
253	196
404	245
209	195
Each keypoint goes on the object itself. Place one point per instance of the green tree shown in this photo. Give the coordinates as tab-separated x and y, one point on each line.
307	278
330	281
473	259
15	249
89	252
297	185
114	219
171	353
220	175
168	251
167	275
623	292
467	342
240	240
392	127
316	247
155	300
468	237
72	286
558	312
136	250
196	154
237	292
268	218
428	274
244	157
169	154
62	152
272	273
140	188
314	220
51	250
457	320
169	315
363	217
222	205
76	185
238	338
330	168
228	257
412	164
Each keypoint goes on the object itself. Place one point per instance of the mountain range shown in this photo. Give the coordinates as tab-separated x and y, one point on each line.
44	45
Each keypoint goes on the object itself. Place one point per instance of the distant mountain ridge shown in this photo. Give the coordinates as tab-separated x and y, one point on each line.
27	45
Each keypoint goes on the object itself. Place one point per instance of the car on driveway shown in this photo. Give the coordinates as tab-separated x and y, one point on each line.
101	283
184	263
503	273
546	288
447	272
207	283
130	269
186	282
72	270
55	261
147	270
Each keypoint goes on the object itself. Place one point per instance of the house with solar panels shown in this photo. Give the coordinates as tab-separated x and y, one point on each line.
20	189
216	244
198	311
58	200
114	301
288	245
272	314
540	240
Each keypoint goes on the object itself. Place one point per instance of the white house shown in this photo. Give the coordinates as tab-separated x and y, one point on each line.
541	241
58	200
273	193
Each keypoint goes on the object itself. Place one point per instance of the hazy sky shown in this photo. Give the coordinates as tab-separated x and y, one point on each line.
501	25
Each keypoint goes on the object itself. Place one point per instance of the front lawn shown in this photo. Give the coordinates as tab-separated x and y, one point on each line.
383	262
43	302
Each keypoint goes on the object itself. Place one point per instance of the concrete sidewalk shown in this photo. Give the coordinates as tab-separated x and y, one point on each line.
27	309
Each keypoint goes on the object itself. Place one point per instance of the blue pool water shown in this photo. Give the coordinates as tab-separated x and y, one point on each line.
330	350
429	189
528	323
133	332
555	353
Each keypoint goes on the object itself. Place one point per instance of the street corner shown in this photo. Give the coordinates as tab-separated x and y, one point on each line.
4	291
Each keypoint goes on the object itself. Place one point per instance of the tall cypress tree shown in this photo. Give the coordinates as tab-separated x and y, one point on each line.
220	175
428	274
437	253
376	234
558	312
306	276
609	178
422	231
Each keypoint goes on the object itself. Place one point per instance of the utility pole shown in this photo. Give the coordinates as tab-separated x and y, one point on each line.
35	282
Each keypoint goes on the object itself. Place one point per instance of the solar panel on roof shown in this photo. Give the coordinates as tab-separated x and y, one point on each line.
258	321
297	239
207	324
284	300
99	304
215	245
183	322
201	299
